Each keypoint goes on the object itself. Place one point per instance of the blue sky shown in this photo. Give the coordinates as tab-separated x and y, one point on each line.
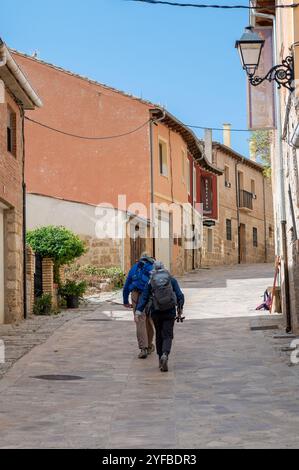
183	58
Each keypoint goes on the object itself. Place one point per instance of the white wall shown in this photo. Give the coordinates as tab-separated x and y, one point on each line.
1	267
42	211
96	223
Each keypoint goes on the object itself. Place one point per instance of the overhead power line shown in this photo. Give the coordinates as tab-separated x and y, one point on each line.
223	7
217	128
85	137
117	136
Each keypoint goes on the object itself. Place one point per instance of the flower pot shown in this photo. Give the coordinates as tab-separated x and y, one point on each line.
72	301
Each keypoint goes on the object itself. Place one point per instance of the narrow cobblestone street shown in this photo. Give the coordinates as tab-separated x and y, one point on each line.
228	386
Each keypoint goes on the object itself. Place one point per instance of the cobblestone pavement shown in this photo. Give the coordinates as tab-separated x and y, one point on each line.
21	337
228	386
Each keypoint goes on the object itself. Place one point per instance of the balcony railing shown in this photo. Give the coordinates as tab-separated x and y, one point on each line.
245	199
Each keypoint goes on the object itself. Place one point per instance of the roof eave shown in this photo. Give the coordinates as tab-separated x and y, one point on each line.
16	81
238	156
193	144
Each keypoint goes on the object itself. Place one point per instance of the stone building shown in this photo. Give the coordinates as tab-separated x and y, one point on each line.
133	188
243	229
285	163
16	96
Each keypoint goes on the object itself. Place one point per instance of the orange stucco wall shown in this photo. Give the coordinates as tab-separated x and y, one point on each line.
173	186
92	172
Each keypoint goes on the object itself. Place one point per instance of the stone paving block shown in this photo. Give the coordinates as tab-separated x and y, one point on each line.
228	386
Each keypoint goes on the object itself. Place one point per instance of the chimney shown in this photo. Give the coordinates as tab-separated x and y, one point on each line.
209	145
252	151
227	135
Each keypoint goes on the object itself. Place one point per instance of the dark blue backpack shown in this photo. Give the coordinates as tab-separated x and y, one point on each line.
141	276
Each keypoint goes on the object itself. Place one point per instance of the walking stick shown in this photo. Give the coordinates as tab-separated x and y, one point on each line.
179	317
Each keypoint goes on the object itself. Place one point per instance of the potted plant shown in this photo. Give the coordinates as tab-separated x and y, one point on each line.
72	291
43	305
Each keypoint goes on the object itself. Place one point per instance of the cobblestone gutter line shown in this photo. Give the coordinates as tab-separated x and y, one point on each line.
20	338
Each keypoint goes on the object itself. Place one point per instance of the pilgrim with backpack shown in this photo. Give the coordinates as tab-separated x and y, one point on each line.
136	282
166	297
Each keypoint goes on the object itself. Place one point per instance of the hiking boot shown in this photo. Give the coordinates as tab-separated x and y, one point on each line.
164	363
151	349
143	354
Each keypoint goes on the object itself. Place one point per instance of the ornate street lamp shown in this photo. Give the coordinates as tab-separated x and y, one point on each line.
250	48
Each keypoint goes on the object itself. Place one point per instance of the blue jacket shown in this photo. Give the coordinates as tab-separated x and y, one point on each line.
147	294
133	281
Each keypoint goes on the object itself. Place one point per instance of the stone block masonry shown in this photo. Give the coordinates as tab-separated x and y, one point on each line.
13	262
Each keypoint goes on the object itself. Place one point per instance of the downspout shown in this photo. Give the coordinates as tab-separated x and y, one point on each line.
24	217
238	210
153	121
193	221
282	243
265	221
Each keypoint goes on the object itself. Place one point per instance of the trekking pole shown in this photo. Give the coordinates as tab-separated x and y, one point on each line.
179	317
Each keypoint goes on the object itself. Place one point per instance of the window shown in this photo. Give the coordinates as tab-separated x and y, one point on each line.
227	183
240	180
253	188
163	158
210	240
11	131
228	229
183	166
255	237
194	185
270	232
189	177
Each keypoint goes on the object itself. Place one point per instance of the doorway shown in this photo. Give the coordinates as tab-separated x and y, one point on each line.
137	241
2	302
163	236
242	243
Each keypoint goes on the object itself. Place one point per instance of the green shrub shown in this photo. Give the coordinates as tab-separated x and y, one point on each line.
43	305
58	243
73	288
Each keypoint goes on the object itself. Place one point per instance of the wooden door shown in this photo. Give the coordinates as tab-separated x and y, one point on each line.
137	244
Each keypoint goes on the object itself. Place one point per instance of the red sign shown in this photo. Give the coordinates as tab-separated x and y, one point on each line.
207	195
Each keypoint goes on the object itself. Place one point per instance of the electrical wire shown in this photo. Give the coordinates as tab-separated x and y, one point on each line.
224	7
85	137
216	128
125	133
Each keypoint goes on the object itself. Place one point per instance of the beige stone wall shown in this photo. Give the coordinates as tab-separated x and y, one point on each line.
11	195
101	252
224	251
13	266
291	165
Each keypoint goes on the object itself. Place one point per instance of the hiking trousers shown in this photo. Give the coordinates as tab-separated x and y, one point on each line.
144	326
164	325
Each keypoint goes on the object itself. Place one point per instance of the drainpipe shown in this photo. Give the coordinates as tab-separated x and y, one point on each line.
238	210
24	218
265	221
282	243
153	121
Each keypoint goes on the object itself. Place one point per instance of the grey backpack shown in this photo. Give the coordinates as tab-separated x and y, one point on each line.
163	295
